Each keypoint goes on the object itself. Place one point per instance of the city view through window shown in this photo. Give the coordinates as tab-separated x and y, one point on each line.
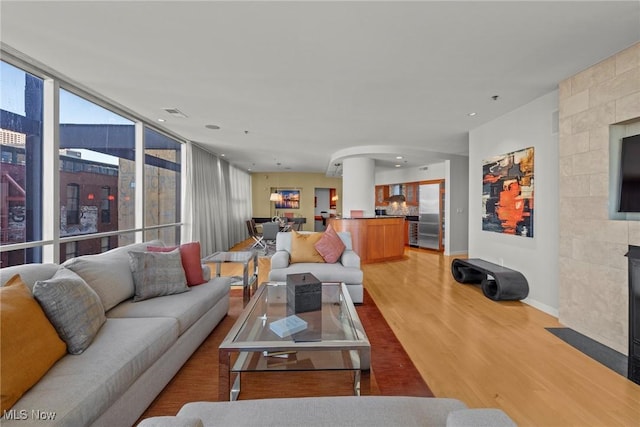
96	189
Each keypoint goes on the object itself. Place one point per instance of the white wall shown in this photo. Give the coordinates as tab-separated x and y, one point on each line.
531	125
400	175
358	185
322	200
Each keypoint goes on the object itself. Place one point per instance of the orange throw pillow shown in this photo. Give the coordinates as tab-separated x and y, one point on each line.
303	247
30	343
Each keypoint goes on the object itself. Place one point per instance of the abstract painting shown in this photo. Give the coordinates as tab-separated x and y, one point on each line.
507	193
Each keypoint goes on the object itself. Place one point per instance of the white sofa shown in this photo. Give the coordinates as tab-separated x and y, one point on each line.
352	411
346	269
135	353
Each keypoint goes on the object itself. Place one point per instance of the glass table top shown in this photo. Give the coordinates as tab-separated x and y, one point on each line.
330	332
233	256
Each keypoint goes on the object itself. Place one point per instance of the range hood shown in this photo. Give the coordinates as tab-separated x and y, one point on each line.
398	198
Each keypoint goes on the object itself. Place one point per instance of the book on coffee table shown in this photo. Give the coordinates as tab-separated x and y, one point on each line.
288	326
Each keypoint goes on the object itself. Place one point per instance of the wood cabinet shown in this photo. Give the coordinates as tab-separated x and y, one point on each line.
382	194
374	239
411	193
409	190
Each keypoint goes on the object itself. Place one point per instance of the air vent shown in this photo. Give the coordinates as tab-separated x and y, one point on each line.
175	112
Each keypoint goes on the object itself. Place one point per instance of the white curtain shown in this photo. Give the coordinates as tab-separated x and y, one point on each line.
217	201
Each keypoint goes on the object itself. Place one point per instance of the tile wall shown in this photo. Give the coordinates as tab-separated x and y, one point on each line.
593	270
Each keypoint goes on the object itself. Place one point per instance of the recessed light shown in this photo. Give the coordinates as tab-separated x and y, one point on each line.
222	155
212	127
399	157
161	120
472	114
398	166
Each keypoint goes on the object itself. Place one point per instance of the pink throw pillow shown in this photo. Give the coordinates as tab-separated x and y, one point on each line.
190	257
330	246
190	253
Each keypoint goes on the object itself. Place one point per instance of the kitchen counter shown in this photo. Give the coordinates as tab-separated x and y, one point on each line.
375	238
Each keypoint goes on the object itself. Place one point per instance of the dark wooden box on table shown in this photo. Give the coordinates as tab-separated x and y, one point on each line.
304	293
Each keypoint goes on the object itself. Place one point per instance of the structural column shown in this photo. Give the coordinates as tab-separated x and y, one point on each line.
358	186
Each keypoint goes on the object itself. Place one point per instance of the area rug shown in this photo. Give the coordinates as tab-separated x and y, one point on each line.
392	372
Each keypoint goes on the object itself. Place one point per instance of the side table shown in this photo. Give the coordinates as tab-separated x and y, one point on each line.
249	281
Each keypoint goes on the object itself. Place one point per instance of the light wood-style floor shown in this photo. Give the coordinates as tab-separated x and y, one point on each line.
493	354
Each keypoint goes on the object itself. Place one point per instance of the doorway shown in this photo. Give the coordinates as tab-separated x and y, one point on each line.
324	207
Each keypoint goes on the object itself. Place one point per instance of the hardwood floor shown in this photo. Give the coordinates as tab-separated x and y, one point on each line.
493	354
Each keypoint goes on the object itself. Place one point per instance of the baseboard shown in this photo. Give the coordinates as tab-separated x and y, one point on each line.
542	307
447	253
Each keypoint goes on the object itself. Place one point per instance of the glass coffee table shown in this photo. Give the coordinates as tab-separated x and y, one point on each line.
334	339
249	281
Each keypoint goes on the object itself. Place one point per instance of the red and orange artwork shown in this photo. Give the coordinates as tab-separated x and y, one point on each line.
507	193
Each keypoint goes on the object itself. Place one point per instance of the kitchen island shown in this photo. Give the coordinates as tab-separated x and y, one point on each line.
374	239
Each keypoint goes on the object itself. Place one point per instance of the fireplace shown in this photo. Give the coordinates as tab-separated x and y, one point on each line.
634	314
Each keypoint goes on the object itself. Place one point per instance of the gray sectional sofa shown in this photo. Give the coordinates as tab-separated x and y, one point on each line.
346	269
135	353
352	411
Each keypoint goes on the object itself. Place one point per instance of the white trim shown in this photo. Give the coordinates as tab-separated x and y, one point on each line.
186	183
542	307
51	170
139	182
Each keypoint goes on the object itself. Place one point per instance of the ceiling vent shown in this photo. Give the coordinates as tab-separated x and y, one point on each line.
175	112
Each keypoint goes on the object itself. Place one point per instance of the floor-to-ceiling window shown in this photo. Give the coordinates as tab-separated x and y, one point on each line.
97	153
21	104
162	158
95	173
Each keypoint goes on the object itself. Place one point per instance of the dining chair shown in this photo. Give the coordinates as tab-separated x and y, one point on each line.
258	238
270	231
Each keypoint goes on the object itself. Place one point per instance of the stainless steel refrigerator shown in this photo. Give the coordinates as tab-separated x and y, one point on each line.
429	222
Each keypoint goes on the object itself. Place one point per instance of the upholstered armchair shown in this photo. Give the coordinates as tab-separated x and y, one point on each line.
345	269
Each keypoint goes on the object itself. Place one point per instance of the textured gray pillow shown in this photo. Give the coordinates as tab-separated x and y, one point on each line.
157	274
72	307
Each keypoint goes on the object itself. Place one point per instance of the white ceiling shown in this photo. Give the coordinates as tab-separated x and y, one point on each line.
304	84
